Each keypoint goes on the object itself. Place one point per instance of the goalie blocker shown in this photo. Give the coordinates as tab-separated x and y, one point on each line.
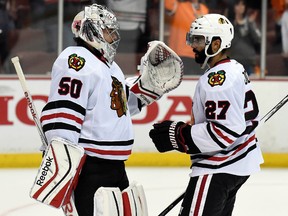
58	173
161	71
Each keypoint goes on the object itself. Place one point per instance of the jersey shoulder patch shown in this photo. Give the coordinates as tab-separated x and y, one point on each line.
216	78
76	62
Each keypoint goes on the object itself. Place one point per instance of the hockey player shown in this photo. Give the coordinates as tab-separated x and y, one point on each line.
90	105
221	138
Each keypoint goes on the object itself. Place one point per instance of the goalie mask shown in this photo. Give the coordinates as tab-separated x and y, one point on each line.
209	26
97	26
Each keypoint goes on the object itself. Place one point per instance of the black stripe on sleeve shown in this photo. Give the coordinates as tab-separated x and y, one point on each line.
223	152
214	137
222	127
127	92
206	156
106	143
65	104
64	126
218	166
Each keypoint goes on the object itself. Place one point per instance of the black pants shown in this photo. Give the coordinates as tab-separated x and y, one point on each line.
97	173
211	195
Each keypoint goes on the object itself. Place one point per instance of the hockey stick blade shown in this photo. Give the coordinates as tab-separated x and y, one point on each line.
262	121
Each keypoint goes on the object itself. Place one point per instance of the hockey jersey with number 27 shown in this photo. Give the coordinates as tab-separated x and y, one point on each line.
225	108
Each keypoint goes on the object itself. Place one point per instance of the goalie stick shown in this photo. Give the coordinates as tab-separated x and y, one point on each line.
69	209
264	119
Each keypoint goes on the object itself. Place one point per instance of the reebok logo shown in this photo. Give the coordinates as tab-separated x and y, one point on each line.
44	170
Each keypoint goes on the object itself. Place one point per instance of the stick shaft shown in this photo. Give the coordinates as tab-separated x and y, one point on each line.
69	209
275	109
29	99
172	205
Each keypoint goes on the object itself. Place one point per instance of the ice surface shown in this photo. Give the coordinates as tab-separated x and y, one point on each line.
264	194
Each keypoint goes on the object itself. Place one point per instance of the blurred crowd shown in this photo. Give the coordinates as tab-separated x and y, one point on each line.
29	29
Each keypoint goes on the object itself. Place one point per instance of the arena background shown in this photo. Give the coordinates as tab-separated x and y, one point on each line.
20	142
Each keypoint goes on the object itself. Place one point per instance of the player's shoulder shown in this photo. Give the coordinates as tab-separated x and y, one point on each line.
225	74
80	60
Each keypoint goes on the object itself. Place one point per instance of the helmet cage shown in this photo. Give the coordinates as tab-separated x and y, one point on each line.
93	21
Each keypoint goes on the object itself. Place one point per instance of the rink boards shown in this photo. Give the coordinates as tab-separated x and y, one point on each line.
20	141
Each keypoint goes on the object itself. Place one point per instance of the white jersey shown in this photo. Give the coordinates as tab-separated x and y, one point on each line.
88	105
224	106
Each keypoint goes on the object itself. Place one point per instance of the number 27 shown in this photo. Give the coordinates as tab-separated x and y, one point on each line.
211	107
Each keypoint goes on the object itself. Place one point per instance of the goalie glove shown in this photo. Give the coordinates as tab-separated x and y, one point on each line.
169	135
161	71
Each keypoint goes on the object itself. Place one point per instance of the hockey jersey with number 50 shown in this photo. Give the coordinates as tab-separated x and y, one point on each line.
225	109
90	105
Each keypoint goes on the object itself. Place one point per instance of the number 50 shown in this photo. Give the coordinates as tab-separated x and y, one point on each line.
70	86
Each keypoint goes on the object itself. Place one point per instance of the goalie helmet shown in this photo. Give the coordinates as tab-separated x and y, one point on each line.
90	25
209	26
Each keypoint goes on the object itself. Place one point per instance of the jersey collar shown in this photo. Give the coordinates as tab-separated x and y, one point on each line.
222	61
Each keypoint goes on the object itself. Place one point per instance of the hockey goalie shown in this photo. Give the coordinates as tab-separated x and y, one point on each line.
87	119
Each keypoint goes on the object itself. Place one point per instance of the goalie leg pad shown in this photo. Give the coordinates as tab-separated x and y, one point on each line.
134	201
69	208
58	173
108	201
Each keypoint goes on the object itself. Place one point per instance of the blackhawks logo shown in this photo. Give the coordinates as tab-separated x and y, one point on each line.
118	97
217	78
76	62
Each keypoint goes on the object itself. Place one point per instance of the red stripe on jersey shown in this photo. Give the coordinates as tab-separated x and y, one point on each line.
41	189
243	145
219	133
61	115
200	195
140	90
109	152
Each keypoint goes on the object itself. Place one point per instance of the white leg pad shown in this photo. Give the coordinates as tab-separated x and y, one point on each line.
108	202
134	201
58	173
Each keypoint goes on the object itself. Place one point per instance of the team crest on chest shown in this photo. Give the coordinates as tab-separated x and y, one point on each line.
76	62
118	97
216	78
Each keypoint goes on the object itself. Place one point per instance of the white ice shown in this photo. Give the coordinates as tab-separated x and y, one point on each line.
264	194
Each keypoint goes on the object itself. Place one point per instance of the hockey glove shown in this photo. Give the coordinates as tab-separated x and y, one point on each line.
169	135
